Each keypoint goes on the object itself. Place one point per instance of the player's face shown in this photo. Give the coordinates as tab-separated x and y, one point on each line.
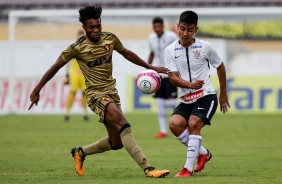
187	33
158	28
93	29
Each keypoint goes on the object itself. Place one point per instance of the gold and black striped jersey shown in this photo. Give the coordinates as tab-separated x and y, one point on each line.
95	62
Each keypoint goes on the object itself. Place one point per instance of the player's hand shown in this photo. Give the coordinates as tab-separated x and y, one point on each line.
159	69
67	79
198	84
34	98
223	102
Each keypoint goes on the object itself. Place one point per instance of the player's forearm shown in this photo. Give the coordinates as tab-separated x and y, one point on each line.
221	72
151	57
178	82
132	57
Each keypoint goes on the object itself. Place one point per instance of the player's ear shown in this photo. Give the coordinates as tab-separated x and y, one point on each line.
83	27
197	29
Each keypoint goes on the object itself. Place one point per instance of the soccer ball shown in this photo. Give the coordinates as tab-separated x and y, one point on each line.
148	81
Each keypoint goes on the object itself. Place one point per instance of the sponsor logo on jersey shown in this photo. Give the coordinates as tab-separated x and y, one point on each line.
180	48
196	47
197	54
192	96
100	61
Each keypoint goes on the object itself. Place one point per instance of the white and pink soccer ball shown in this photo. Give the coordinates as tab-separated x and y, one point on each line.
148	81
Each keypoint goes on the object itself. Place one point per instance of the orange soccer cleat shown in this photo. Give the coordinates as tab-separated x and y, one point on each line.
155	173
79	157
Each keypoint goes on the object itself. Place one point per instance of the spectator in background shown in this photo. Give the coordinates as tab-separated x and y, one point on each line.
167	94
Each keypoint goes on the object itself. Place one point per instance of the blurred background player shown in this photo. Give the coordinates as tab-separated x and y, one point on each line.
167	94
75	79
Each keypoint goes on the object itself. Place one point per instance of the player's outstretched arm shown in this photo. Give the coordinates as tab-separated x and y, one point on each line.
223	98
132	57
34	96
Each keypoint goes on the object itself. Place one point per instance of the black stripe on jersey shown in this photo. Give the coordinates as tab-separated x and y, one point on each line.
187	56
209	66
78	41
98	103
109	33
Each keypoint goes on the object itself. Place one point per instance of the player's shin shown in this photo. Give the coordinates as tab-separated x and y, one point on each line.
132	147
162	115
192	151
100	146
184	137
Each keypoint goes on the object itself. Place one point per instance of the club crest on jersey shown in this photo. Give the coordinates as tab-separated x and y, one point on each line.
197	54
107	47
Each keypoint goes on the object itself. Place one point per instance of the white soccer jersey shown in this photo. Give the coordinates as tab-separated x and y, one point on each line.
158	44
192	63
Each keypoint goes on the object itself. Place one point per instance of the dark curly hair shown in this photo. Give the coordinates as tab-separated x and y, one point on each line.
158	20
89	12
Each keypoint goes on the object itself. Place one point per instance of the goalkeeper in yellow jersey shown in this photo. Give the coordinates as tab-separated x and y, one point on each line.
75	78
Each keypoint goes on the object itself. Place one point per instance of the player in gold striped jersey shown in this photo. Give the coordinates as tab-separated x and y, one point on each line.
94	55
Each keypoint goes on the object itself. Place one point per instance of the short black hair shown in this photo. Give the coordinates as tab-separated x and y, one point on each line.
89	12
158	20
189	17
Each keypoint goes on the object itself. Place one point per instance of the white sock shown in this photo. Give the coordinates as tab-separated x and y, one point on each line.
184	137
192	151
203	150
162	114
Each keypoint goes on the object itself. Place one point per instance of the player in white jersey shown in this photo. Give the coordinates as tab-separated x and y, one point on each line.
189	60
167	94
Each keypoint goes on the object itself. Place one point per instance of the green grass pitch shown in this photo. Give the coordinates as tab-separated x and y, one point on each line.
36	149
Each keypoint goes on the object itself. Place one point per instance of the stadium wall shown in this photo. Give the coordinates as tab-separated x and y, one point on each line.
253	92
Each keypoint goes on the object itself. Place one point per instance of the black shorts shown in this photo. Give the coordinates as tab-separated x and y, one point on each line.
203	108
167	90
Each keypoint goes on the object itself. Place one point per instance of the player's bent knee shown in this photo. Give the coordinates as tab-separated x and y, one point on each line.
176	127
116	145
175	124
195	125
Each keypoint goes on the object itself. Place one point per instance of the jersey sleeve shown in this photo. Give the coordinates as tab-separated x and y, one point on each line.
214	58
169	60
70	52
117	44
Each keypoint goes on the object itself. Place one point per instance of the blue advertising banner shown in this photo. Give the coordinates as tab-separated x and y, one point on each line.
250	94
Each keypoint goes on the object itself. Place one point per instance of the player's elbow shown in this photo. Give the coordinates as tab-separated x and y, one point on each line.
172	81
126	54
